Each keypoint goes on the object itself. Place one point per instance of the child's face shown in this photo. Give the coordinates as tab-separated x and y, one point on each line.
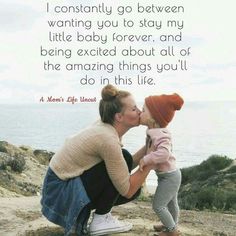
145	116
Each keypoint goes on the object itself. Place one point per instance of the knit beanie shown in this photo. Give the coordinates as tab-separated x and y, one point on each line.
163	107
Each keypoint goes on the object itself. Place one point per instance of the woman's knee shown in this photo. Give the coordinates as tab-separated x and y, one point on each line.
128	158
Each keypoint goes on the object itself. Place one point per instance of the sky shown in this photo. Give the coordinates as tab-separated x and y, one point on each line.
209	32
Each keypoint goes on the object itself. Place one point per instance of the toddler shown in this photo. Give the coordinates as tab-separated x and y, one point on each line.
157	113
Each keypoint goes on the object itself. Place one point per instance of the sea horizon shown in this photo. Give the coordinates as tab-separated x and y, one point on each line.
199	130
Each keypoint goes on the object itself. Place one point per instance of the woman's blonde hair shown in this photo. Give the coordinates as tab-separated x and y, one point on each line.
111	103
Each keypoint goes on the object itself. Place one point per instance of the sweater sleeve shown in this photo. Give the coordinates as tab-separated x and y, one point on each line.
110	151
162	145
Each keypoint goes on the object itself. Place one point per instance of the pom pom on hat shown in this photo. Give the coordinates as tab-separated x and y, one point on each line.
163	107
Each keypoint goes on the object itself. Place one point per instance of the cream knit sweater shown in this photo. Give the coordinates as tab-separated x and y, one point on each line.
99	142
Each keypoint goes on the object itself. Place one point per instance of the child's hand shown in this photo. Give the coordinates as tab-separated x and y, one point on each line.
141	164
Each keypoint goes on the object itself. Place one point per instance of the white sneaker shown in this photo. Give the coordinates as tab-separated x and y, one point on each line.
107	224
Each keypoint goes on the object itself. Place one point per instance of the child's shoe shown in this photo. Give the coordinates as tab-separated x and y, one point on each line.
158	228
172	233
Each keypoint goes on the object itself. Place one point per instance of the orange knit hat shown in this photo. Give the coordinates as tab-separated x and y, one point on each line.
163	107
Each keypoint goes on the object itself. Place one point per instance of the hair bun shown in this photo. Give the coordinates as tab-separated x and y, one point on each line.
109	92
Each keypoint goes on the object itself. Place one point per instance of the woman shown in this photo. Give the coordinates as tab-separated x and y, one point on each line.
91	171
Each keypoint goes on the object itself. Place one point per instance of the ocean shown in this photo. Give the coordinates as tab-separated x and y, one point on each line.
199	130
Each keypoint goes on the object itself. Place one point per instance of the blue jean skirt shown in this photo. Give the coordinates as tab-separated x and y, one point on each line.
65	203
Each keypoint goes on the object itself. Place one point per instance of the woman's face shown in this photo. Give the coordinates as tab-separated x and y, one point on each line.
130	112
145	116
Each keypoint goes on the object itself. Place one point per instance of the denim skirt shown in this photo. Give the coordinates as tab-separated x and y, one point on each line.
65	202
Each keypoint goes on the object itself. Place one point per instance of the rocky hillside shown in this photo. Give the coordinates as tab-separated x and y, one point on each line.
21	170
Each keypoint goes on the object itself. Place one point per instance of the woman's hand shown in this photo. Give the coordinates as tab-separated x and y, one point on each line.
137	179
138	155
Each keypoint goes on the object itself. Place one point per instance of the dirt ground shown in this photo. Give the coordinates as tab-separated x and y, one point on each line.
21	216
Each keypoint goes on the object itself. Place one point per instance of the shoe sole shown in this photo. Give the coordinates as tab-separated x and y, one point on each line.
111	231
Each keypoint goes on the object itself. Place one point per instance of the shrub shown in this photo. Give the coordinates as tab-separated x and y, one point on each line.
219	201
3	160
188	202
2	147
206	169
43	156
208	198
17	163
203	175
231	201
232	169
215	162
188	174
205	198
